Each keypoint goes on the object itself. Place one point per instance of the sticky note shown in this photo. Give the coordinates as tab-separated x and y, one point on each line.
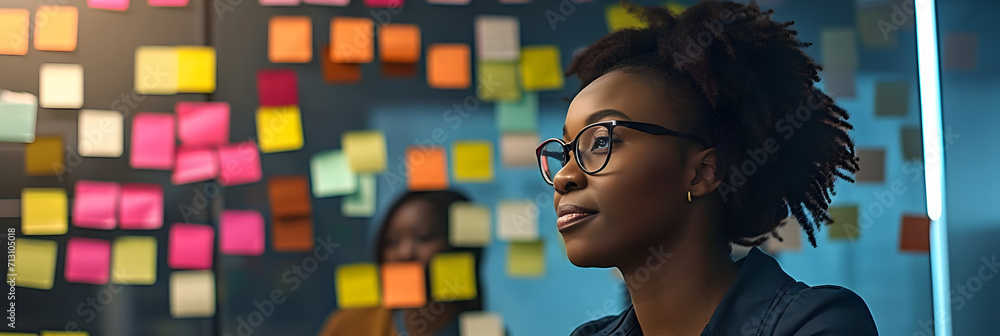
449	66
403	285
133	260
526	259
912	142
289	196
676	7
195	165
351	40
277	87
152	144
279	129
357	286
279	2
468	225
56	28
427	168
399	43
34	263
518	149
541	68
473	161
339	3
43	211
293	234
914	233
241	232
332	174
497	81
18	114
60	86
14	26
365	150
168	3
192	294
95	204
115	5
791	237
100	133
872	29
517	220
335	73
384	3
202	124
156	70
618	18
88	260
892	99
453	277
480	323
401	70
520	116
289	39
872	164
196	69
839	52
498	38
44	157
239	164
959	51
190	246
141	206
362	202
839	84
845	223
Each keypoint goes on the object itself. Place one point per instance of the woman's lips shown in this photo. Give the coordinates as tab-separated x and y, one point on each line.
568	220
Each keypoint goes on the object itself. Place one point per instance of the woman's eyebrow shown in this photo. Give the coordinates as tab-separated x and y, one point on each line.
594	117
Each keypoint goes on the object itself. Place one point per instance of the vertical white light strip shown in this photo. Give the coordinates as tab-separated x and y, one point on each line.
930	104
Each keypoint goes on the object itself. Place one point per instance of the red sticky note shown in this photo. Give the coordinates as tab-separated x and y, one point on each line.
152	141
277	87
203	124
190	246
194	165
94	204
88	260
384	3
915	234
141	206
168	3
239	163
241	232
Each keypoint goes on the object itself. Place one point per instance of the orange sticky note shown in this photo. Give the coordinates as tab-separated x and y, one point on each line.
14	27
399	43
428	168
449	66
351	40
292	234
403	285
338	72
44	157
56	28
914	234
289	39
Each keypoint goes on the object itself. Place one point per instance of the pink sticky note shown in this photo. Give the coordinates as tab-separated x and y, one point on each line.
141	206
240	164
384	3
118	5
340	3
195	164
152	141
241	232
88	260
277	87
279	2
203	124
94	204
168	3
190	246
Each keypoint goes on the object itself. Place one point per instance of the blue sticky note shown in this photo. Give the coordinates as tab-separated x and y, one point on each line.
18	113
520	116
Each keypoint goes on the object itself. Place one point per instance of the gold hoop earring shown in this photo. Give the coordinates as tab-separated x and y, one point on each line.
689	196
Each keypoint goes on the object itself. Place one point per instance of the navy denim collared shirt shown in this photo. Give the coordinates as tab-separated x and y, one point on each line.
763	301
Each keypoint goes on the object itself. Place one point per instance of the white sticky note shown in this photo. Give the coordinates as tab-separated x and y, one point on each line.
192	294
469	224
498	38
60	86
101	133
480	323
517	220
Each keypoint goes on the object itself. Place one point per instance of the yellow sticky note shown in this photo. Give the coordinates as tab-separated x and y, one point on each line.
526	259
357	286
469	224
56	28
44	157
676	7
845	223
14	26
473	161
279	129
195	69
64	333
618	18
43	211
541	68
366	151
133	260
156	70
34	263
192	294
453	277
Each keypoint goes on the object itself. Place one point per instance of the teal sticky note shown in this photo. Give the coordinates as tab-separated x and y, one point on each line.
362	202
18	113
520	116
332	175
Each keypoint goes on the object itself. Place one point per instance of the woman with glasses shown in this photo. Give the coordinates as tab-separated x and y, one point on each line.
700	131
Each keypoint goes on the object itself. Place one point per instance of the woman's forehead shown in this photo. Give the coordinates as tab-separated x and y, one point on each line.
630	94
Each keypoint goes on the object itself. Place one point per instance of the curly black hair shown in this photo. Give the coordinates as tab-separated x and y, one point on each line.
754	89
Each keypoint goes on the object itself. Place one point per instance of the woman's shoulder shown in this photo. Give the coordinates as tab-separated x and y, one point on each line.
348	321
608	325
831	310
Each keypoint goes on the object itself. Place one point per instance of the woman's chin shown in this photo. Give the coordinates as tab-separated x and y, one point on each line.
586	256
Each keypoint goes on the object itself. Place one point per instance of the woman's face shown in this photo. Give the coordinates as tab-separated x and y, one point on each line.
637	199
412	234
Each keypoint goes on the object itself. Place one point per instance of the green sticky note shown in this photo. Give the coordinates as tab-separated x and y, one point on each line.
526	259
520	116
845	223
497	81
332	174
34	263
892	99
362	202
17	121
912	142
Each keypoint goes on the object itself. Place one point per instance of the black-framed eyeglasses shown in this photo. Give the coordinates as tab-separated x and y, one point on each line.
592	147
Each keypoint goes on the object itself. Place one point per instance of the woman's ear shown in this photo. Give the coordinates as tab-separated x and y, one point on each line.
706	178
